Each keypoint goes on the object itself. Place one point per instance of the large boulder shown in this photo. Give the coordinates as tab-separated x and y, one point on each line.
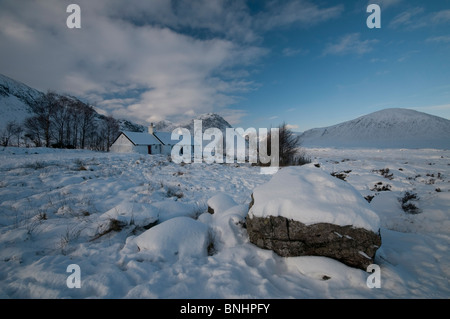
305	211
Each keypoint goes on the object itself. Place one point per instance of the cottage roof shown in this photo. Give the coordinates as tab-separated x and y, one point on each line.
157	138
165	137
138	138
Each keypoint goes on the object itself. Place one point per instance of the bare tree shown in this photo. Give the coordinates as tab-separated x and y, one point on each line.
33	130
289	145
42	122
18	133
86	121
111	131
59	119
12	129
66	122
290	152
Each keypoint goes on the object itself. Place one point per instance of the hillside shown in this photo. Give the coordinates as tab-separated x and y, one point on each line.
209	120
15	101
389	128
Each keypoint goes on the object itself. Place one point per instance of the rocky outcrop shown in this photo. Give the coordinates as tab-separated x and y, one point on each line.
355	247
304	211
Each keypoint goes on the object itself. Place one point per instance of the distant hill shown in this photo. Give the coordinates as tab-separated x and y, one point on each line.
389	128
209	120
16	101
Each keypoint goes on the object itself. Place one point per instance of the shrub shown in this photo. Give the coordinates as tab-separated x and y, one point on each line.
385	173
290	152
379	187
174	192
407	205
341	175
36	165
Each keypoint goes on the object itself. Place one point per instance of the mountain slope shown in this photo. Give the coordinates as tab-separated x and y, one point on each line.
209	120
15	101
389	128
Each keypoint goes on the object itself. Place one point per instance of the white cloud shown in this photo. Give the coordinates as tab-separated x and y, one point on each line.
290	52
233	116
410	18
114	53
305	13
441	16
292	126
145	60
377	60
350	44
442	110
415	18
384	4
441	107
439	39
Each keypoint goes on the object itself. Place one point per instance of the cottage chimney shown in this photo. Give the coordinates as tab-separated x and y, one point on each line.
151	129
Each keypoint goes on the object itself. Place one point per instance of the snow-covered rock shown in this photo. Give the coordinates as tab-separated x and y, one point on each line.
305	211
179	237
226	218
170	208
220	203
132	213
310	195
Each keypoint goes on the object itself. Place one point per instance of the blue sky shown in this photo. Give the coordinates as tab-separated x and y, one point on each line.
257	63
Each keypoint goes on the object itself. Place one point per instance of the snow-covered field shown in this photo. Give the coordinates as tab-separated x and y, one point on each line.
63	207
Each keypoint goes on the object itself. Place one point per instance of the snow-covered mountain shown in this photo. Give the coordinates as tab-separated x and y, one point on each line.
389	128
16	99
209	120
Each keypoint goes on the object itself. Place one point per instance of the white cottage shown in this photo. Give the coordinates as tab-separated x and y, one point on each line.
134	142
151	142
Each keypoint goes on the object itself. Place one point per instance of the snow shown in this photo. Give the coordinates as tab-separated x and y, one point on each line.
56	208
290	192
15	99
12	110
388	128
166	138
131	213
221	202
177	238
142	138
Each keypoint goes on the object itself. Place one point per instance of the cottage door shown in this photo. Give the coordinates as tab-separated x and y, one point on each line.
149	149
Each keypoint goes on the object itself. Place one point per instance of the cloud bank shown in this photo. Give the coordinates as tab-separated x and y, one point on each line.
146	60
